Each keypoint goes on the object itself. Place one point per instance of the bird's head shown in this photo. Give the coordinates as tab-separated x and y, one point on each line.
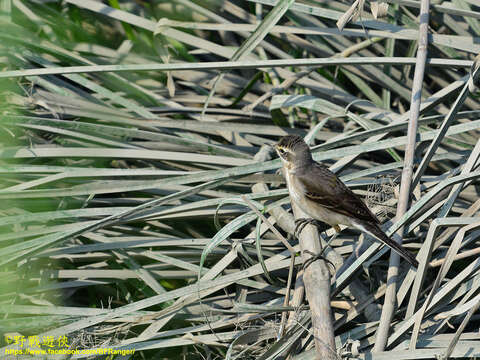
293	151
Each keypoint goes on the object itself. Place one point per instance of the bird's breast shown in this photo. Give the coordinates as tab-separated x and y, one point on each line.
312	208
295	188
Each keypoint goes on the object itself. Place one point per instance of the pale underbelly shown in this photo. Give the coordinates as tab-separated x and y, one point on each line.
313	209
321	213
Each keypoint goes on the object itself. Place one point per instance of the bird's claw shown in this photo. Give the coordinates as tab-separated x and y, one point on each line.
316	257
302	222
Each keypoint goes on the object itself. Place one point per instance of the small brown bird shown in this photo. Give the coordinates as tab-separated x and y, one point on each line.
324	197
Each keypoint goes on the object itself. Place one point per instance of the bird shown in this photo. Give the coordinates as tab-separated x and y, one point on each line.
320	194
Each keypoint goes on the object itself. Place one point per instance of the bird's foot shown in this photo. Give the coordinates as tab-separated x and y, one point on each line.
302	222
316	257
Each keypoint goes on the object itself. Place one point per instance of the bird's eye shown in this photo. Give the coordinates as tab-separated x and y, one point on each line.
281	151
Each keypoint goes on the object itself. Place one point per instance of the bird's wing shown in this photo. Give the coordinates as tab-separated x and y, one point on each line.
325	188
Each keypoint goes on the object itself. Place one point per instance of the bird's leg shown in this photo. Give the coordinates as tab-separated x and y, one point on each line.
320	254
337	231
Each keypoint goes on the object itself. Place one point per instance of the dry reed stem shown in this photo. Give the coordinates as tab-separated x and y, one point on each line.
407	173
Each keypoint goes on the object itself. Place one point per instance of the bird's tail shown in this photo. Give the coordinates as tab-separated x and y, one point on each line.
374	230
